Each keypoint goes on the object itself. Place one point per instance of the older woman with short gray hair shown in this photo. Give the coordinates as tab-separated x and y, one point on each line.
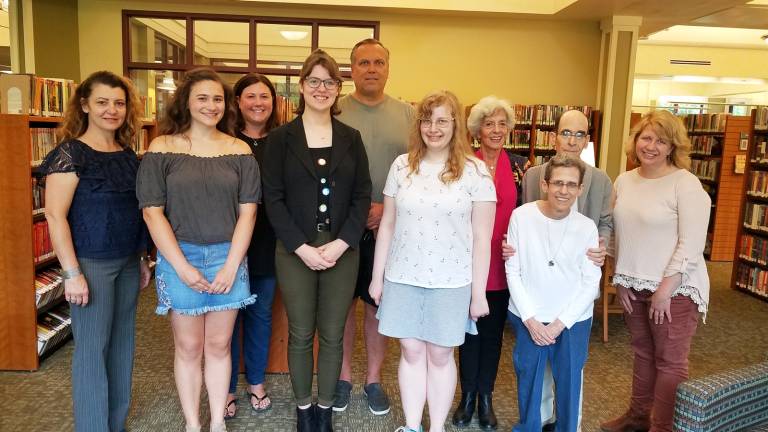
490	122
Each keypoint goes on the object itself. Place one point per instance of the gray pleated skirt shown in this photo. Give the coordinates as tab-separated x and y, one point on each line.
436	315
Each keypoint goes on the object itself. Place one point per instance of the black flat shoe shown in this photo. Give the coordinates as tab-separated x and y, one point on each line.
463	414
305	419
324	419
485	414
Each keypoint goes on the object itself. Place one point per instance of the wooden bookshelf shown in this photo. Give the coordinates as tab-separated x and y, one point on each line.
18	311
750	258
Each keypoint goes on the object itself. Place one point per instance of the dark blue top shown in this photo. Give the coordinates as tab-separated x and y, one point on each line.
104	217
261	250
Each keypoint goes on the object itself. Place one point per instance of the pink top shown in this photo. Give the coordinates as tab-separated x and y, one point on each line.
506	200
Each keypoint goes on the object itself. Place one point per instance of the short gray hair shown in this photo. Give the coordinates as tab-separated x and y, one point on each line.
485	107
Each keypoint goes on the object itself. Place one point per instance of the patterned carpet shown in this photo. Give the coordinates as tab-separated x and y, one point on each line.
734	336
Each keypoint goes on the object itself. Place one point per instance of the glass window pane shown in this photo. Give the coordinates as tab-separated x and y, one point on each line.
221	43
156	88
158	40
282	46
338	42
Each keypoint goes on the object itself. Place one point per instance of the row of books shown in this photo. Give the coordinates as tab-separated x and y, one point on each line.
35	95
41	242
53	327
754	249
538	160
285	110
759	155
705	169
756	216
49	286
524	114
140	142
543	141
43	141
521	138
705	122
707	145
761	118
752	279
546	115
758	184
38	196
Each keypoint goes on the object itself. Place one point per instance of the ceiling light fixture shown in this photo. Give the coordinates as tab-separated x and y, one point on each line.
293	35
167	83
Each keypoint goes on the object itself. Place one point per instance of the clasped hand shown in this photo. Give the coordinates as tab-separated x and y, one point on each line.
322	257
541	334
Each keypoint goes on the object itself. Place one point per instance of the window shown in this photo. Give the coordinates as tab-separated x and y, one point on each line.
160	46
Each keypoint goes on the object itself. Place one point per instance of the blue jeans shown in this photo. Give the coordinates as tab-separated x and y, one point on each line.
257	330
567	356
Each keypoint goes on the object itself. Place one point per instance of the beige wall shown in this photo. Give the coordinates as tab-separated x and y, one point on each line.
526	61
55	26
726	62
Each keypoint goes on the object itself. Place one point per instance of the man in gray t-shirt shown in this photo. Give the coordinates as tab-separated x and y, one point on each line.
384	123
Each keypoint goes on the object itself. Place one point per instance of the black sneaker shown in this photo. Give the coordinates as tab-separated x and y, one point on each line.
341	396
378	402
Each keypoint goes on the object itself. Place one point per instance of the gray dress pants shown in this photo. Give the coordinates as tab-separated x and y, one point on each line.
102	364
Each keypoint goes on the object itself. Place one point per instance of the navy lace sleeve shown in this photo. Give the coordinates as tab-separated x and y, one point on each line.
66	157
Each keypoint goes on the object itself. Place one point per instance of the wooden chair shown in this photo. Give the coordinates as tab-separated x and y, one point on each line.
608	302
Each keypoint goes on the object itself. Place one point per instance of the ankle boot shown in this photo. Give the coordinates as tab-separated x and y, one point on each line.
305	419
324	419
485	413
463	414
630	421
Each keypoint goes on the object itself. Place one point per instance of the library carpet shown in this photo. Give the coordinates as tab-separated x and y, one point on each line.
735	335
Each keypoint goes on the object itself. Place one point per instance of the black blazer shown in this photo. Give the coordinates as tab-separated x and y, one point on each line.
290	184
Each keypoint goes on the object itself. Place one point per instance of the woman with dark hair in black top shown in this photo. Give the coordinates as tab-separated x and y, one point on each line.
257	115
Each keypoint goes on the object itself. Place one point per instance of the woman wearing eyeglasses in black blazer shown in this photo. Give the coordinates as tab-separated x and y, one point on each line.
317	190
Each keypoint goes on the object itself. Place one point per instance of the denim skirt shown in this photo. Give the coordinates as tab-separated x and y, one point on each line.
439	316
173	293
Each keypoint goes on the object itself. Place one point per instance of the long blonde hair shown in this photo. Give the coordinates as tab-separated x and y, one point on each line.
459	150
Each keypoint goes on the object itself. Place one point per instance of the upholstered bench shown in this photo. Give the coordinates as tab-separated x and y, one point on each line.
734	400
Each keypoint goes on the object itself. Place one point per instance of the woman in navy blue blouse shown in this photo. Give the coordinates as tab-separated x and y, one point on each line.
99	237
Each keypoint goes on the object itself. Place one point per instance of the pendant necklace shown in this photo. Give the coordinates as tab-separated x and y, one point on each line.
552	261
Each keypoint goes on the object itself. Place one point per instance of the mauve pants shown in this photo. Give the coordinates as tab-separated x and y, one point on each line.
661	356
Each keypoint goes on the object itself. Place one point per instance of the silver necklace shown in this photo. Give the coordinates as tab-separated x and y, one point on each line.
552	260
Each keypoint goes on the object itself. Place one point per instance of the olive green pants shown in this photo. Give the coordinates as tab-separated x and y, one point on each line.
315	301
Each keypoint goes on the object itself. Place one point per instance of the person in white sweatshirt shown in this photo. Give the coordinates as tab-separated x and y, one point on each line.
552	285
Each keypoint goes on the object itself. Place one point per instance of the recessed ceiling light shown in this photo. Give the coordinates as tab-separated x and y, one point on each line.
293	35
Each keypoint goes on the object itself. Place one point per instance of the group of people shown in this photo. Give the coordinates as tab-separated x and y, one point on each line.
365	196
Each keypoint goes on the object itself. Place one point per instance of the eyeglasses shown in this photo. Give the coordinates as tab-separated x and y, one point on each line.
330	84
558	185
567	134
489	125
440	123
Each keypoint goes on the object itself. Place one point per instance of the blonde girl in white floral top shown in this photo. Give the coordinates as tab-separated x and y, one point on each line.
432	255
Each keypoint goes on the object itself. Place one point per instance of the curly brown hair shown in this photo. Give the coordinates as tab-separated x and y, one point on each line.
76	120
459	149
177	116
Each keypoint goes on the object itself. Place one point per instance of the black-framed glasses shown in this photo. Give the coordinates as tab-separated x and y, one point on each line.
440	123
330	84
559	184
567	134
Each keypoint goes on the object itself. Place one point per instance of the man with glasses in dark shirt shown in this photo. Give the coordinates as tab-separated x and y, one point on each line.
571	136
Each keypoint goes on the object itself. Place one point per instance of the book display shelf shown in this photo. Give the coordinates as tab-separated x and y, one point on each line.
750	263
34	319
